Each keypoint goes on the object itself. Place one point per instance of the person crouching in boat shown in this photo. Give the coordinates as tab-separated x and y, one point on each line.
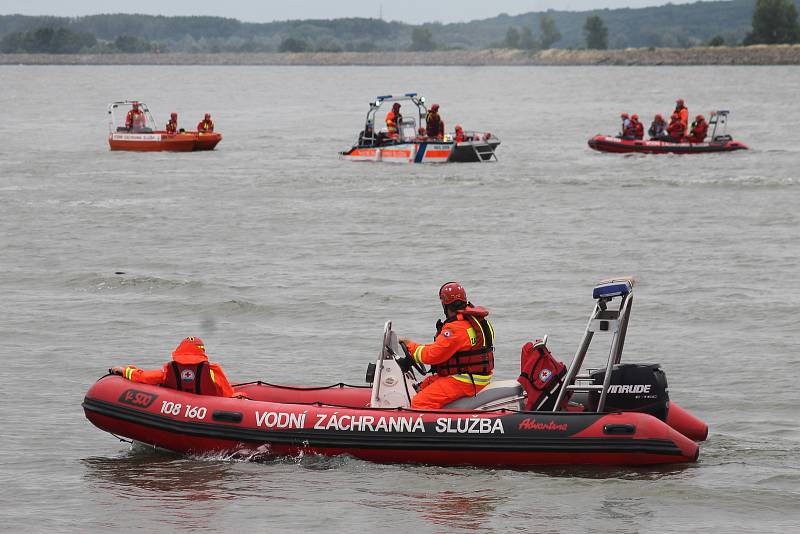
637	127
626	131
658	128
460	135
206	125
393	119
172	124
699	130
461	356
434	126
135	120
188	371
675	130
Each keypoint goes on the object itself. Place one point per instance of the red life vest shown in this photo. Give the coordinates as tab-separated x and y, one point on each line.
478	361
638	129
193	378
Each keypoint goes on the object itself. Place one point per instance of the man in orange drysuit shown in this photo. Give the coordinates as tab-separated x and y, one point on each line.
135	118
206	125
393	119
172	125
188	371
461	356
683	113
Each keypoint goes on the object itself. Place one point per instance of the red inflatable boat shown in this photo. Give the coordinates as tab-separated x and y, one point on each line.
719	141
147	138
619	417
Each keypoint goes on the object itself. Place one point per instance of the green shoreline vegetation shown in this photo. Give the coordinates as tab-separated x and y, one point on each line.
699	33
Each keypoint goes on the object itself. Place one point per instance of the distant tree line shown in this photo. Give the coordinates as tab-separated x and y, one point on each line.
48	40
671	25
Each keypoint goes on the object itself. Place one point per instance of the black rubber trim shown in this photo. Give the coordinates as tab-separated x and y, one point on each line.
375	440
227	417
619	429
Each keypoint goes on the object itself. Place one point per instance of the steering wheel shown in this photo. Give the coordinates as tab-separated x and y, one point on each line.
414	363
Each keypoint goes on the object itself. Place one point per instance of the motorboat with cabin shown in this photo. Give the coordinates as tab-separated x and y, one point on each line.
617	414
146	137
411	145
719	141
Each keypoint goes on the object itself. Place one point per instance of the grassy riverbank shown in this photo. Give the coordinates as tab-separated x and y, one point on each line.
747	55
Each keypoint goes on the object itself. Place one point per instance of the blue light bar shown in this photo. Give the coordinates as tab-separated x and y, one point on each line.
608	290
411	94
384	97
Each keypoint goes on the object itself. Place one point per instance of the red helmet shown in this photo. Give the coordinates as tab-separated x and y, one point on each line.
699	118
135	105
624	116
635	117
208	116
679	102
458	127
452	292
659	117
396	105
434	107
173	115
191	346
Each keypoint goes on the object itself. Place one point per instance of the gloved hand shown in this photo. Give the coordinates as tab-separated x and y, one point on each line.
117	371
404	363
405	341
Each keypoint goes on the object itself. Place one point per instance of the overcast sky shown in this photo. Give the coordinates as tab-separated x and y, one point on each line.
414	11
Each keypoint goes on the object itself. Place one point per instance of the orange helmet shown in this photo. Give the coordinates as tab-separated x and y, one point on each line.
624	116
191	346
452	292
635	117
699	118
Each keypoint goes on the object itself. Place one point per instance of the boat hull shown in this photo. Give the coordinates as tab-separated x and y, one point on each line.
607	143
163	142
425	152
192	424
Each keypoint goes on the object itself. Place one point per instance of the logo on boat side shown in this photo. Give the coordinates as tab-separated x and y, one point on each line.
627	388
140	399
187	375
531	423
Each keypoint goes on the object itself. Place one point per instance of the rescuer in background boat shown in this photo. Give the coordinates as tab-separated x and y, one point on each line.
206	125
625	130
393	119
172	124
699	130
658	128
460	135
637	127
188	371
434	126
461	356
683	113
135	119
676	129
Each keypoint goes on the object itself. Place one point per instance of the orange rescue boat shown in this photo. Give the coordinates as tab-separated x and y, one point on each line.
142	135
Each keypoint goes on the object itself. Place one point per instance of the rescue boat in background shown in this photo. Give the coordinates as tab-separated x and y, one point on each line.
720	142
624	416
410	147
147	138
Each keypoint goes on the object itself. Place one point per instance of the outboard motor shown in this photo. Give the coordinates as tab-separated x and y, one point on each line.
635	387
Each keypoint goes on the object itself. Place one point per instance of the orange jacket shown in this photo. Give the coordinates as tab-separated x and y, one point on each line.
391	122
684	114
455	336
157	377
172	127
205	126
